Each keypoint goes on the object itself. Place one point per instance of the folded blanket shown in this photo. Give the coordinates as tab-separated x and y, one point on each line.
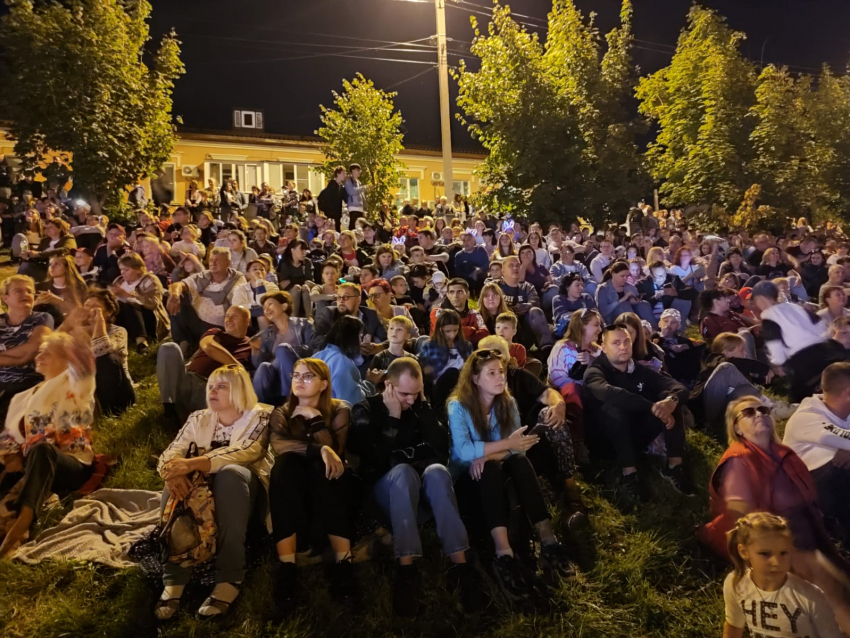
100	528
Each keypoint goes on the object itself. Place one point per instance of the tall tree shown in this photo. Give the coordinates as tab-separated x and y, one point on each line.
78	83
700	102
560	140
364	128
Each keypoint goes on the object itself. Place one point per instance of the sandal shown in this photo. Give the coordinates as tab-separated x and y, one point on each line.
165	609
215	607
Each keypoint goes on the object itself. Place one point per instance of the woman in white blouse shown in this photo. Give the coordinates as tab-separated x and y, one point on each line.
232	438
141	310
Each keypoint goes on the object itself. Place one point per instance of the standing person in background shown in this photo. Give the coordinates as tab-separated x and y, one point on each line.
355	194
331	198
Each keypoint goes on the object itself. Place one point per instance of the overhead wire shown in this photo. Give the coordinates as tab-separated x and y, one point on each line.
412	77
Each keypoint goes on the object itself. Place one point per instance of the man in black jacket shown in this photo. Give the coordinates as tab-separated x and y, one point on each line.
663	290
633	404
332	196
403	450
107	255
348	299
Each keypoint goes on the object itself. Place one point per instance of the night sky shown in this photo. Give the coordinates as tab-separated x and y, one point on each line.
238	54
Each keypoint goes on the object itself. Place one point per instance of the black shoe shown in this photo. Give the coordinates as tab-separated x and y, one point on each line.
286	591
142	347
406	587
629	487
461	579
678	479
575	513
510	577
342	581
556	561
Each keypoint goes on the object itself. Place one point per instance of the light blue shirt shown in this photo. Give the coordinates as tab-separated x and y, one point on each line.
467	444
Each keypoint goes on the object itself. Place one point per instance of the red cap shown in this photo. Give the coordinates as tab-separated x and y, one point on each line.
745	294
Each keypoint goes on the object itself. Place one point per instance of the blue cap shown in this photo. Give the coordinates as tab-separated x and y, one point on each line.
765	289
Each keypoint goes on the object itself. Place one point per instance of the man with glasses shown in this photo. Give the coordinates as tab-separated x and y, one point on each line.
457	298
404	450
348	298
632	404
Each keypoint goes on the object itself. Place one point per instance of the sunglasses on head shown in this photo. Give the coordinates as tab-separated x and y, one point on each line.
752	410
486	355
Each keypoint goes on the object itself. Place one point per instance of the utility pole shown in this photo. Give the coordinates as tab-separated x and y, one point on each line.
445	111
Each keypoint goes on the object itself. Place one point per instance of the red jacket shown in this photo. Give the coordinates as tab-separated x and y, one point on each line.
761	468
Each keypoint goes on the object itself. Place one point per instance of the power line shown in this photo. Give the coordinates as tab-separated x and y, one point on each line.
519	15
413	77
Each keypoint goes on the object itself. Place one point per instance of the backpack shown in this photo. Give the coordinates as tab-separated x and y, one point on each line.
186	533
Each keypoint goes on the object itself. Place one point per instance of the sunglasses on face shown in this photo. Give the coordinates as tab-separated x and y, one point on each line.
751	412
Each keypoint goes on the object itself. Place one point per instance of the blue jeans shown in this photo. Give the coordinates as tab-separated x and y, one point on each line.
273	379
397	493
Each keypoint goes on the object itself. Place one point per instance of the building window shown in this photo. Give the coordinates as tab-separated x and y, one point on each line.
248	119
408	189
461	187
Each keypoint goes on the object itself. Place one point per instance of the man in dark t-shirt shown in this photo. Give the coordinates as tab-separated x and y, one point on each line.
182	386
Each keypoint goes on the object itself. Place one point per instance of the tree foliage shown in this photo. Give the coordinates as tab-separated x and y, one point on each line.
700	102
364	128
554	118
77	82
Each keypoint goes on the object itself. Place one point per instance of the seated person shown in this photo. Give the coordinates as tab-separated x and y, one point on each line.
718	318
199	303
311	490
632	404
796	340
250	293
106	256
404	450
644	352
758	473
834	304
324	295
819	432
457	299
380	300
114	386
682	356
614	296
471	262
21	332
401	290
57	241
664	290
840	332
342	355
295	274
567	265
63	290
571	298
348	305
442	357
139	295
398	332
275	350
232	437
506	328
240	254
47	434
182	386
488	447
84	261
522	299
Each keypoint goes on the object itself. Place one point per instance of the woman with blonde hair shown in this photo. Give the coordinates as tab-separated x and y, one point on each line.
310	486
232	439
47	433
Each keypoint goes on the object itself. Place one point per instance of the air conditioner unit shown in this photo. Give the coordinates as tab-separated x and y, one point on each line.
436	177
189	171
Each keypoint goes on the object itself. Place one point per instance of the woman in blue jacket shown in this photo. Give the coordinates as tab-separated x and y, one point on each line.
488	447
342	354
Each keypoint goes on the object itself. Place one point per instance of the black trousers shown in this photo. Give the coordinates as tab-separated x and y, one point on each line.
832	484
627	433
442	390
49	470
138	321
113	387
544	458
486	500
305	503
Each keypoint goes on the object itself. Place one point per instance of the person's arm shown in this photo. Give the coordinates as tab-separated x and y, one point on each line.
218	353
817	429
25	352
467	450
596	270
735	622
606	300
776	348
561	361
250	450
441	257
604	392
180	445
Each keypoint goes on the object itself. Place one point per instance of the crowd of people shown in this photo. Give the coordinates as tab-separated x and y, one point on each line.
441	365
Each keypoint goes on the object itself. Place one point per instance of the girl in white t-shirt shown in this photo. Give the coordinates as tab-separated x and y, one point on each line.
762	595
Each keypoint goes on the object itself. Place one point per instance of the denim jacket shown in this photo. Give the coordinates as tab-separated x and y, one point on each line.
467	444
303	329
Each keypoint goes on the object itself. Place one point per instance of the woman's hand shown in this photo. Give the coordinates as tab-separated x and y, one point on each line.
374	375
47	297
333	464
476	468
179	487
518	441
182	467
119	292
306	411
583	358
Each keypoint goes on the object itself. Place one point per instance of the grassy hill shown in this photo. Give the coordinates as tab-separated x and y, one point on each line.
649	578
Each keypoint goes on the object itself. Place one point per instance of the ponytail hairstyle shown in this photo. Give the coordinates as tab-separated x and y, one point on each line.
617	266
746	530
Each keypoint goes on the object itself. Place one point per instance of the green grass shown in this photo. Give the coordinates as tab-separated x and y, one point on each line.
650	578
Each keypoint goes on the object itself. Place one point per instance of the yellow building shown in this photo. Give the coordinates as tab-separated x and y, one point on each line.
253	157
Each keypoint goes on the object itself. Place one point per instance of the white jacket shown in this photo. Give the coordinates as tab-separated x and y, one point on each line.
797	330
815	433
249	442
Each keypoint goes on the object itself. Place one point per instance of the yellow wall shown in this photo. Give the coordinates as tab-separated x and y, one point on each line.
200	150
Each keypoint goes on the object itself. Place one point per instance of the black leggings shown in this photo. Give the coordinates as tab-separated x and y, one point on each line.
138	321
305	503
50	470
487	498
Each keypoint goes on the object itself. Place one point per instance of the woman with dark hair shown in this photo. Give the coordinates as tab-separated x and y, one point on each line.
488	448
571	297
534	273
614	296
442	356
311	492
388	263
535	240
718	318
814	273
342	355
294	275
57	241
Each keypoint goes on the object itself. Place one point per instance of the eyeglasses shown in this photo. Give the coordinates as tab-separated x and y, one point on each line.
346	297
751	411
306	377
375	295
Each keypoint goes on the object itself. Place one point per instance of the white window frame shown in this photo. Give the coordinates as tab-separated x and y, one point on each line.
464	189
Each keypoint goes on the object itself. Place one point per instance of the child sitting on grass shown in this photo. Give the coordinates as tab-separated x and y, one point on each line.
398	332
506	327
